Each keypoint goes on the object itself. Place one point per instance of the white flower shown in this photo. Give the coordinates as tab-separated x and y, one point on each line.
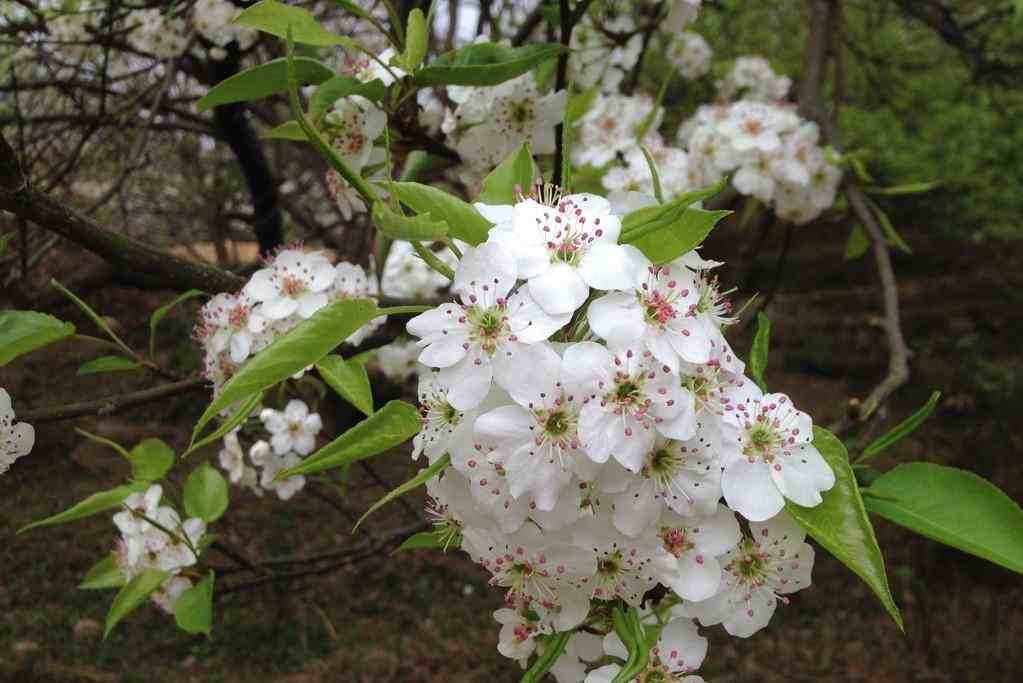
679	651
166	596
397	361
16	439
445	428
232	323
294	429
451	509
610	126
767	454
753	126
696	542
681	14
538	574
489	337
295	282
691	54
772	562
565	247
628	397
518	632
138	509
156	33
286	488
408	276
537	440
352	125
683	475
626	567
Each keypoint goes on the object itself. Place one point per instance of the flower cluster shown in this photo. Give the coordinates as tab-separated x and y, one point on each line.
291	287
292	435
488	124
774	154
752	78
16	438
213	21
690	53
153	536
595	418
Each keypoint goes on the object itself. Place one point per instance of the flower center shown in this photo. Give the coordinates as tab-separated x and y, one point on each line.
238	316
762	441
750	566
293	286
489	326
676	541
713	302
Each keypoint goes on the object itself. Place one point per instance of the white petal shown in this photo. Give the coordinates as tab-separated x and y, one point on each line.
803	475
749	490
508	423
470	383
279	307
560	289
445	351
697	579
617	318
607	266
311	302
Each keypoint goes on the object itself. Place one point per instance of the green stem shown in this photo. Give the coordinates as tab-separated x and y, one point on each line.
402	310
432	261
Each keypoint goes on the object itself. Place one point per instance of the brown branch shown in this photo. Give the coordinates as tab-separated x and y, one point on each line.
113	404
136	261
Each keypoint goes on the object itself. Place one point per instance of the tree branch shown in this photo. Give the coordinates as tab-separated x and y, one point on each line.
113	404
136	262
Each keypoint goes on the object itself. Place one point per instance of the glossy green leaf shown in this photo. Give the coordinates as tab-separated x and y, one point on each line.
289	130
107	364
161	313
553	647
648	218
339	87
395	423
94	504
275	18
840	523
426	540
349	379
415	482
416	41
240	414
397	226
464	221
263	80
676	234
133	594
205	493
193	611
303	346
758	352
513	175
25	331
104	574
903	429
150	460
485	64
857	243
952	506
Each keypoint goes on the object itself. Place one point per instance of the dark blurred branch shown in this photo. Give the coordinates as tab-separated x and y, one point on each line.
137	262
113	404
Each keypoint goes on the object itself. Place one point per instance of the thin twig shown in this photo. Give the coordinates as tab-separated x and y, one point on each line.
113	404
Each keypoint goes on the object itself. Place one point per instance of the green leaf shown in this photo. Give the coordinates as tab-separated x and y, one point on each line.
416	39
132	595
106	442
908	188
237	417
274	18
161	313
485	64
205	493
339	87
412	228
193	612
25	331
658	193
758	352
150	460
889	230
93	315
954	507
395	423
5	239
107	364
857	244
512	176
464	221
303	346
94	504
262	81
903	429
578	104
415	482
425	540
840	523
104	574
349	379
554	646
675	234
289	130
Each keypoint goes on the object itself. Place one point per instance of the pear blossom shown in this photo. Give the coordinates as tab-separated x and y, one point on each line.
629	397
166	596
690	54
581	650
16	438
272	465
612	125
768	454
232	322
564	247
518	632
294	282
697	542
352	125
626	567
293	429
490	336
770	563
679	650
139	508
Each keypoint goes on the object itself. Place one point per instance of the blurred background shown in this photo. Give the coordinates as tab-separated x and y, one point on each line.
926	95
